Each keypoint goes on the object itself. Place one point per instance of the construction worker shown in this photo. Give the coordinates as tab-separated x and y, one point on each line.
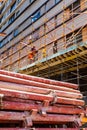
33	54
30	56
55	48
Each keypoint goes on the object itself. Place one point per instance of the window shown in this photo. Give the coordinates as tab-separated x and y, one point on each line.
2	9
17	13
57	1
12	18
1	44
35	16
1	19
76	6
15	33
18	1
31	1
13	7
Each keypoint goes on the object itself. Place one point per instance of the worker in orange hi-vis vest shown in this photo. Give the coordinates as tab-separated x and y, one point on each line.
32	54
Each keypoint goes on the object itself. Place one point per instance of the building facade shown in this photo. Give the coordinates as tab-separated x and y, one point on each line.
45	38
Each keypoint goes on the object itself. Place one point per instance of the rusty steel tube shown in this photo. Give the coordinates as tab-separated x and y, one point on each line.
27	88
40	97
39	128
39	79
32	83
9	105
56	129
49	118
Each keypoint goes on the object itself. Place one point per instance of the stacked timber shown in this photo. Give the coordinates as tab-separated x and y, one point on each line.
29	102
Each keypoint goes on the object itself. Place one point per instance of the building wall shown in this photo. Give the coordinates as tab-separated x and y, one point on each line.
54	23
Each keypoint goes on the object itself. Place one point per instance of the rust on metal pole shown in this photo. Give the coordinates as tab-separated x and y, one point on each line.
49	118
39	79
39	128
32	83
8	105
39	90
41	97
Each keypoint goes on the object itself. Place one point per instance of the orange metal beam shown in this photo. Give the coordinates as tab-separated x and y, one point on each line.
62	109
33	83
39	128
41	97
48	119
38	90
38	79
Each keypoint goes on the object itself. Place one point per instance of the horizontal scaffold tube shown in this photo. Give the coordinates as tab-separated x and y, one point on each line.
39	79
8	105
26	88
39	128
40	97
32	83
49	118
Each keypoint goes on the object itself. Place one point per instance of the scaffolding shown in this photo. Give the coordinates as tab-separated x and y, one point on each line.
74	55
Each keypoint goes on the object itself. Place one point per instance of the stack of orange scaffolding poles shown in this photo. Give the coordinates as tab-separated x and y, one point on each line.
38	79
34	101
